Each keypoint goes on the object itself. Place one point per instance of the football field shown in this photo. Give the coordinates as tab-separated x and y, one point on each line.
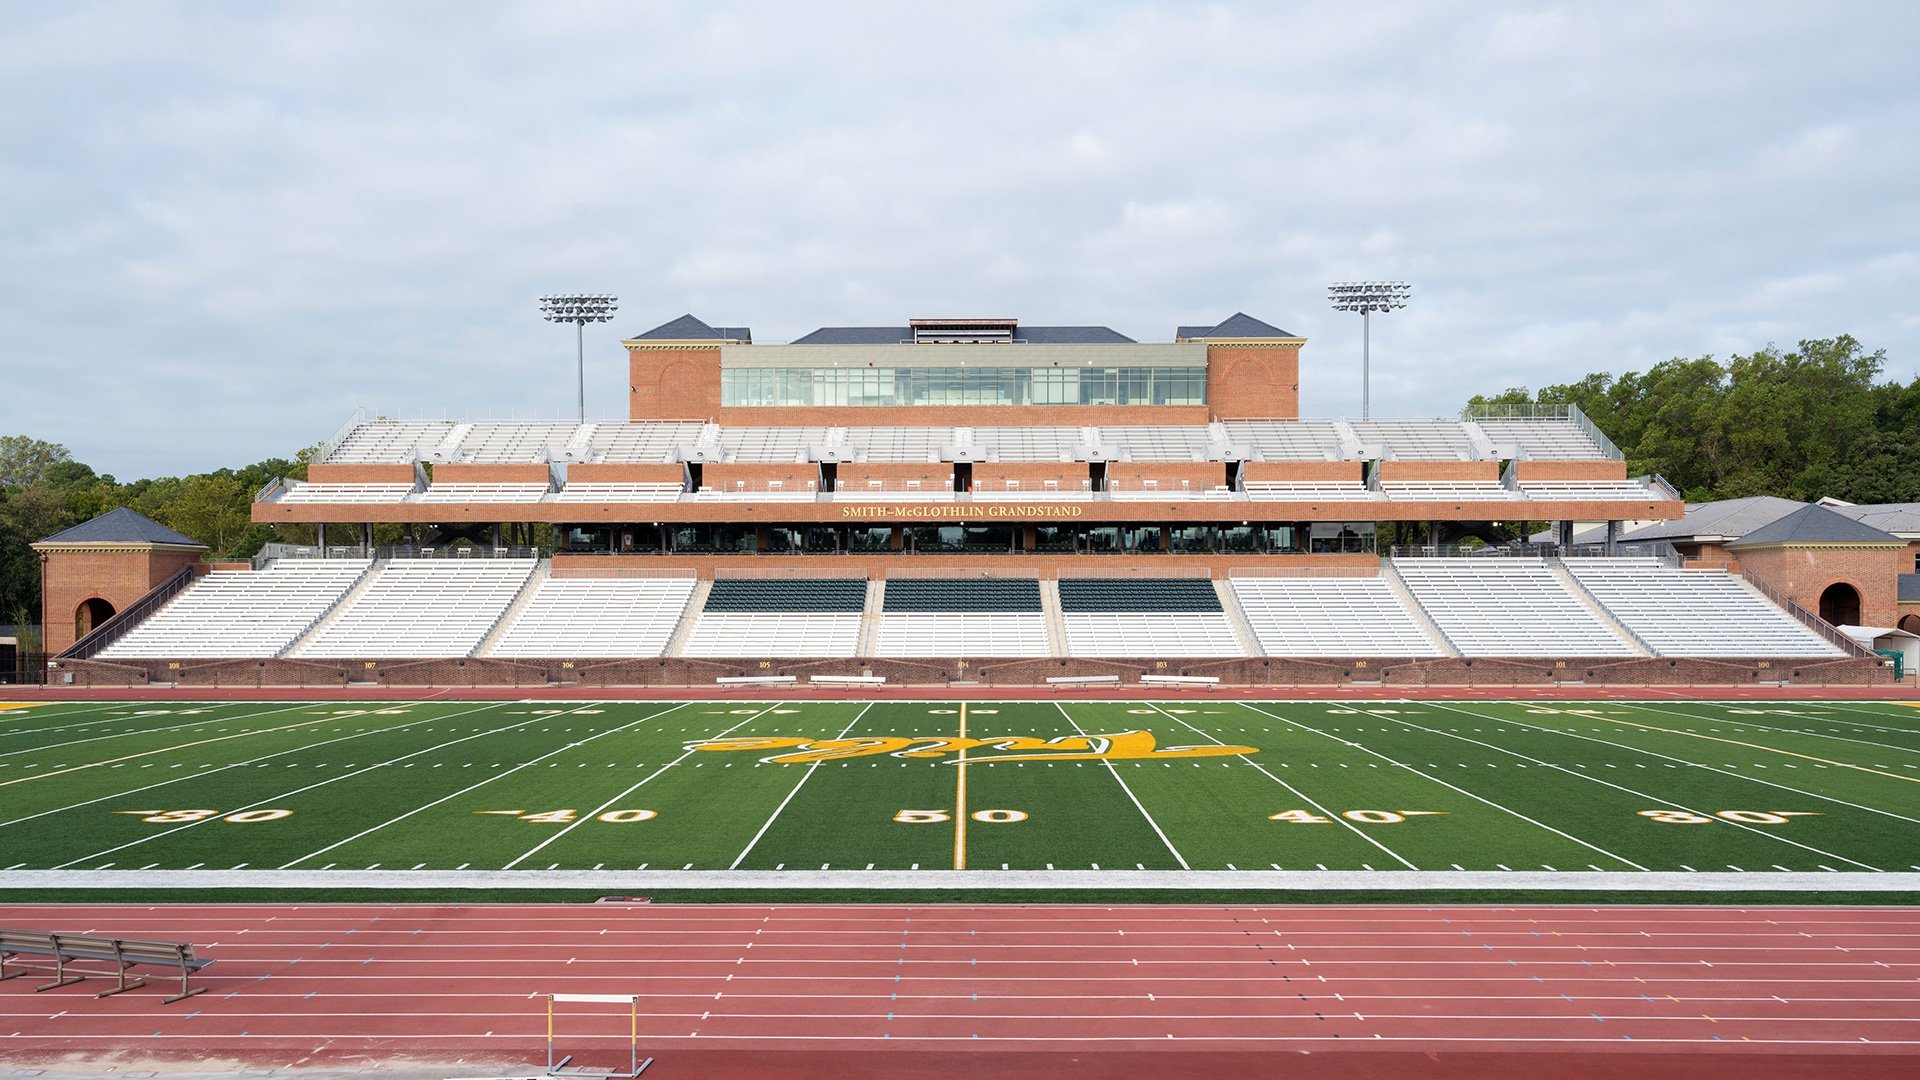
1200	783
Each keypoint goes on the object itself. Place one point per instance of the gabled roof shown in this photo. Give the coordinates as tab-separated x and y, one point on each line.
688	328
1902	519
1814	524
1727	519
1238	325
893	335
122	526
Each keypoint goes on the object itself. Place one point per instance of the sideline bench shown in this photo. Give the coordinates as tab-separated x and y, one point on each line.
1180	680
122	953
1058	681
848	680
757	680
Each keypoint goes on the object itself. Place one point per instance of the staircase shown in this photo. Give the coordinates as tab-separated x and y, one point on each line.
520	601
870	617
1056	623
346	601
1237	618
1592	603
1419	614
677	644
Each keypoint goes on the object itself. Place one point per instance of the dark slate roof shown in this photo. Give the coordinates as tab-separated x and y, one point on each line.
1897	518
1072	335
688	328
122	526
1910	586
1816	525
857	335
1038	335
1238	325
1725	519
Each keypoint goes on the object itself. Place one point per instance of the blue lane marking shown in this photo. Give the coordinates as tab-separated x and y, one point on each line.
310	993
1598	1017
193	1014
1564	997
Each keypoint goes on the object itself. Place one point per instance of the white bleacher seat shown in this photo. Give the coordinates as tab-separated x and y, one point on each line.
1287	440
1134	633
1309	491
235	614
1499	606
774	633
387	442
1419	440
421	609
1588	490
1357	616
1694	612
999	633
345	493
483	493
597	617
1545	440
618	492
1448	491
642	442
506	442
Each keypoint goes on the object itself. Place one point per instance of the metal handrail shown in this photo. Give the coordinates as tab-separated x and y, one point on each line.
1807	618
115	627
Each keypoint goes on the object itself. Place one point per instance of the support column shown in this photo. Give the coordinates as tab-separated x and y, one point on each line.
1613	536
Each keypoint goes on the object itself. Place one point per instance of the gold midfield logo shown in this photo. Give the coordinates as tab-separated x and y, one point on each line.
1118	746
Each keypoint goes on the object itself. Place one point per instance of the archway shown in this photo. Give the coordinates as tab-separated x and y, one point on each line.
1910	623
90	614
1840	604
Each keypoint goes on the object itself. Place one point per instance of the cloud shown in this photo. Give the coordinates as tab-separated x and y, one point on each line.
231	223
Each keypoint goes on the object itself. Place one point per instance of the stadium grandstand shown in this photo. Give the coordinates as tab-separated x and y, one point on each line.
975	498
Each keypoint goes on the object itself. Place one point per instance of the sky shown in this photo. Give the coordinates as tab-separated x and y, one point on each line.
223	227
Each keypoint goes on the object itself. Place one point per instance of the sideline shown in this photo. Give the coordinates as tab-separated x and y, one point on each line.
616	881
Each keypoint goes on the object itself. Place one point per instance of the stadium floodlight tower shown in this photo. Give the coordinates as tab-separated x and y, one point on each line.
1367	297
579	309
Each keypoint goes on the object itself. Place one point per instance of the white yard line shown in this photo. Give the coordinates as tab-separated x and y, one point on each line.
1643	707
1177	857
323	783
643	782
1887	720
1301	795
495	776
1425	776
251	761
20	714
202	722
804	777
1609	783
1696	765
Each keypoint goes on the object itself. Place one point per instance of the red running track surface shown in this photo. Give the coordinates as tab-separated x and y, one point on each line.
1008	992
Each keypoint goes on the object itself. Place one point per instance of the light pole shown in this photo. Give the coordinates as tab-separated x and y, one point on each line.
579	309
1367	297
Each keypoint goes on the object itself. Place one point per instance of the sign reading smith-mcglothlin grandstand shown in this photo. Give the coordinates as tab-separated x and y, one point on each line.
977	510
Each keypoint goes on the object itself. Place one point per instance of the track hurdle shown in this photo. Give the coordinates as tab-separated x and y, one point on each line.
634	1065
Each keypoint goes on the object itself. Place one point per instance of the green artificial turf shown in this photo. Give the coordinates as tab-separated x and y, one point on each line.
1497	786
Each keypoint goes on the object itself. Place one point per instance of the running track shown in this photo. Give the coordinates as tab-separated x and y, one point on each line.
1011	992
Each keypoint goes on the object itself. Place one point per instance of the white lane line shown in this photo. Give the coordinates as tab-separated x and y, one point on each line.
250	761
1609	783
804	777
1301	795
202	722
1179	858
1425	776
496	776
289	794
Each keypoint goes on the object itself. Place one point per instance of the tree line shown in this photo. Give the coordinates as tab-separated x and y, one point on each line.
43	490
1812	421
